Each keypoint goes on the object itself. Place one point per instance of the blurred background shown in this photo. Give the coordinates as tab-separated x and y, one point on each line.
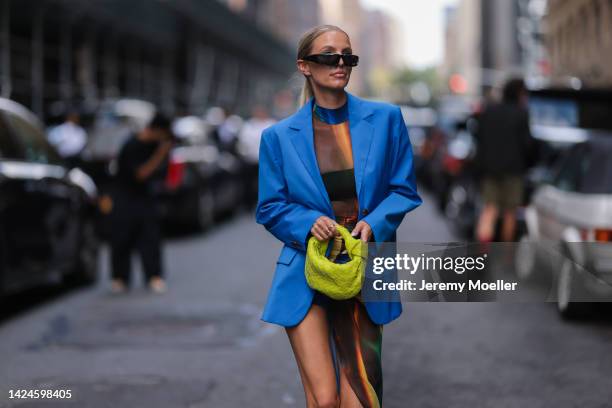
77	78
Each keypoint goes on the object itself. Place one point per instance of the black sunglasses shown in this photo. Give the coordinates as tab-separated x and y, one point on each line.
333	59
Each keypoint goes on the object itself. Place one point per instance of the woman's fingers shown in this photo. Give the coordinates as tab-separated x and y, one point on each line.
315	232
324	228
330	227
362	230
320	232
365	235
357	230
328	231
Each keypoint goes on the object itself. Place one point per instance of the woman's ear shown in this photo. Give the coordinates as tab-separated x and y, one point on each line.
304	68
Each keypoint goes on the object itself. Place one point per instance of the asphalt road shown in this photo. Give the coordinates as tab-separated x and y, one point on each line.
202	343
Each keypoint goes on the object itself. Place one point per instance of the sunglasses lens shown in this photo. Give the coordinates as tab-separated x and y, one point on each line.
331	60
350	60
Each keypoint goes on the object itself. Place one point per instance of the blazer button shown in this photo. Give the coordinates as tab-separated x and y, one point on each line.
365	211
295	244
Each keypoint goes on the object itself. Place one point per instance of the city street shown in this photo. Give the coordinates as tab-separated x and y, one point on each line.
202	343
159	127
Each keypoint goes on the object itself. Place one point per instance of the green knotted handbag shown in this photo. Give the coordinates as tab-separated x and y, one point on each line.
339	281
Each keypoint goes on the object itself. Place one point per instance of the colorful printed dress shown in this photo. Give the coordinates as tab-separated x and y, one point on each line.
355	340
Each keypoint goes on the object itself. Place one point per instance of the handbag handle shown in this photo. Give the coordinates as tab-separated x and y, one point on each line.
353	245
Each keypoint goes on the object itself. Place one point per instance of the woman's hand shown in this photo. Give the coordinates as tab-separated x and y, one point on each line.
363	230
323	228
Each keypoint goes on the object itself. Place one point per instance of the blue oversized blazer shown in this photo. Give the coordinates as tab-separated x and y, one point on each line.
292	195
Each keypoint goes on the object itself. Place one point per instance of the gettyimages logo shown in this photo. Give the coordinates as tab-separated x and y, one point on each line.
411	264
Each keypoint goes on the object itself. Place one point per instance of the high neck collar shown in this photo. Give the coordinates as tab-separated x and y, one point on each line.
331	116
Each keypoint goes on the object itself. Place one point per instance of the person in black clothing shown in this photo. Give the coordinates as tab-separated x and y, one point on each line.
505	148
135	225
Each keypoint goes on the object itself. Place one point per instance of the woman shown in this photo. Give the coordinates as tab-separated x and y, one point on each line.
338	159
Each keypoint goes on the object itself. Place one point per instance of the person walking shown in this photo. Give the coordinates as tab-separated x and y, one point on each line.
134	219
338	160
505	149
69	138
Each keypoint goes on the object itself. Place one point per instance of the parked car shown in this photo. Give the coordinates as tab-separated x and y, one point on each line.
445	150
203	182
569	226
47	211
420	122
460	195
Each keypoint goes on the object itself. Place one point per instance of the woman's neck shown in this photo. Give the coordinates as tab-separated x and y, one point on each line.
330	99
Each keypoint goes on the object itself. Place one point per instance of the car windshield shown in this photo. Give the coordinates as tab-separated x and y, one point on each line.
553	111
34	145
8	148
573	109
597	173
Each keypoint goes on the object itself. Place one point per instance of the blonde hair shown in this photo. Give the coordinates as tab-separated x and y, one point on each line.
304	49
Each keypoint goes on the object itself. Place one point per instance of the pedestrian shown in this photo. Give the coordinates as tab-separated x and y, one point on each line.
142	162
69	138
341	160
505	149
228	131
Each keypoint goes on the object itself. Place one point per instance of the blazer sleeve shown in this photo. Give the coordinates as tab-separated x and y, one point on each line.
288	221
402	196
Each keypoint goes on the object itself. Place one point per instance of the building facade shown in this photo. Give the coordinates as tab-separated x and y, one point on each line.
381	57
484	44
579	41
183	55
462	55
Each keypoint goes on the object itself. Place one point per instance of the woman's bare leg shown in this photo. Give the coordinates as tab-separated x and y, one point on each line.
509	225
310	343
485	230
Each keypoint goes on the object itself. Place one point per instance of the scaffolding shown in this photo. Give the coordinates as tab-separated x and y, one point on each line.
183	55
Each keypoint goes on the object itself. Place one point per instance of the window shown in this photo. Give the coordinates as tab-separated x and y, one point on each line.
8	148
32	140
597	176
570	169
553	111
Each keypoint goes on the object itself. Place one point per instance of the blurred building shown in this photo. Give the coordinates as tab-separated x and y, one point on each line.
286	20
462	55
579	40
535	57
289	20
183	55
487	41
450	60
500	52
381	54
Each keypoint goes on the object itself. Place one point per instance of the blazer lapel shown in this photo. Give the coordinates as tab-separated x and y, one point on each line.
361	139
303	141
